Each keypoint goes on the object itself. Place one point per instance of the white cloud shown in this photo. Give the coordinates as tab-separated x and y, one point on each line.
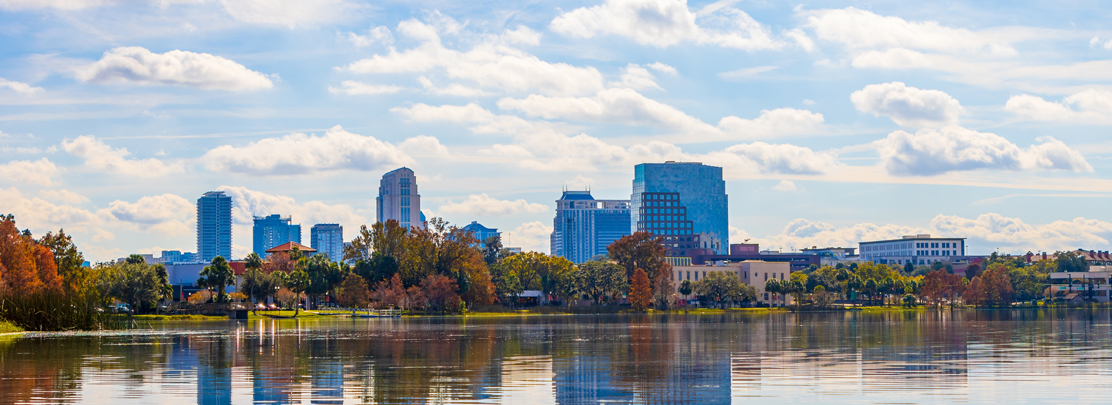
375	35
801	233
785	185
780	122
55	4
453	89
530	237
482	121
137	65
19	87
953	148
352	88
249	203
908	106
1095	42
491	64
1016	236
746	73
39	172
291	13
299	153
1089	106
614	106
98	155
40	215
485	205
63	196
774	158
166	214
860	29
636	77
580	182
663	23
662	68
423	145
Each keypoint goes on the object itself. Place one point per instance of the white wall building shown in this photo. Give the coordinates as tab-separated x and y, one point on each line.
916	249
753	272
398	199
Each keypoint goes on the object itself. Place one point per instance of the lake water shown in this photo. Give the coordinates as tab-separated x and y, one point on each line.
1010	356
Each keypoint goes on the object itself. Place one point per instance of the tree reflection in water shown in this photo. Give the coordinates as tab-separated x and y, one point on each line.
707	359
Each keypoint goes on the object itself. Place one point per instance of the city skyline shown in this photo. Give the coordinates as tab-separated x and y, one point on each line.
834	122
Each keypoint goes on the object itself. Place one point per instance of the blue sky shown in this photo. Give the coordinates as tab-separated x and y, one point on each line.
835	122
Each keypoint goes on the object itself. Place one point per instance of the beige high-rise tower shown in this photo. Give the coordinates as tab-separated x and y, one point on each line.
398	199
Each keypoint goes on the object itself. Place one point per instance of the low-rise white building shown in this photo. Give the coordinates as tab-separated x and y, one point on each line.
916	249
753	272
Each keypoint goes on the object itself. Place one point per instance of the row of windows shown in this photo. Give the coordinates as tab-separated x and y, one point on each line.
929	245
662	218
662	196
665	225
405	203
662	210
662	203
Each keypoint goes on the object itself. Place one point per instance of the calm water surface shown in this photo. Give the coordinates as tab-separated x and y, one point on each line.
1018	356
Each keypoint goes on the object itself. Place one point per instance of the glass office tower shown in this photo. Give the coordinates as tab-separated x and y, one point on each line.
683	202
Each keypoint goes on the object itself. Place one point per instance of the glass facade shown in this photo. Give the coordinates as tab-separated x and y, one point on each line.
214	226
683	202
273	230
329	239
584	227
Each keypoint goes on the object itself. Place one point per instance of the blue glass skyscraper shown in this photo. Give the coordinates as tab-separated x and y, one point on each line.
584	226
328	239
214	226
683	202
274	230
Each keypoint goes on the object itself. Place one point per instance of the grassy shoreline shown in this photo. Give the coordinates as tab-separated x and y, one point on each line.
9	328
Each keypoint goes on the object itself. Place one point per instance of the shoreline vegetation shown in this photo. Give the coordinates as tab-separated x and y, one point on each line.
443	270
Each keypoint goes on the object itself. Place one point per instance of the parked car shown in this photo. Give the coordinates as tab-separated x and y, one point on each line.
272	307
260	307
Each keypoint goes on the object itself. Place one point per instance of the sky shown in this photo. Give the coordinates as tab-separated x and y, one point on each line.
834	122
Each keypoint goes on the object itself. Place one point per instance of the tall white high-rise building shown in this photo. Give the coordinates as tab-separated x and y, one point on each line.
398	199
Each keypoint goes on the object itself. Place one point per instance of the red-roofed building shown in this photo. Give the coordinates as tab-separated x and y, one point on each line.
288	247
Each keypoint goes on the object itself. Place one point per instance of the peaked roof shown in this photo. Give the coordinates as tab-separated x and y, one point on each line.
288	246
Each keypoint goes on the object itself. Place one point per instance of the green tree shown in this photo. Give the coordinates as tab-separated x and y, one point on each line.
258	285
773	287
218	275
165	289
253	261
297	283
69	261
324	275
722	287
136	284
1071	262
353	292
136	259
686	288
664	292
601	280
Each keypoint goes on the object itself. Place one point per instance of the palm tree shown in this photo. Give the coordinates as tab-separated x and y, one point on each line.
870	289
773	287
297	283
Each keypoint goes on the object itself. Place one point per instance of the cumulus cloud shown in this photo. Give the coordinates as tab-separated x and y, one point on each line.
530	237
908	106
63	196
614	106
424	145
39	172
352	88
662	68
785	185
628	107
55	4
930	152
485	205
250	203
452	89
99	156
299	153
861	29
290	13
663	23
984	233
490	64
636	77
374	35
137	65
41	215
774	158
19	87
482	121
1089	106
168	213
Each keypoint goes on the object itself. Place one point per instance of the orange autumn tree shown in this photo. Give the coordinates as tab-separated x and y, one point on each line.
640	293
25	266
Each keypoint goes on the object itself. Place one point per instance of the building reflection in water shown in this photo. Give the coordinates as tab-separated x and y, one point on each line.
896	357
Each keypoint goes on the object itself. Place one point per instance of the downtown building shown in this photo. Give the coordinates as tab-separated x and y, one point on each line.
584	227
481	232
684	203
273	230
919	249
328	239
214	226
399	200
